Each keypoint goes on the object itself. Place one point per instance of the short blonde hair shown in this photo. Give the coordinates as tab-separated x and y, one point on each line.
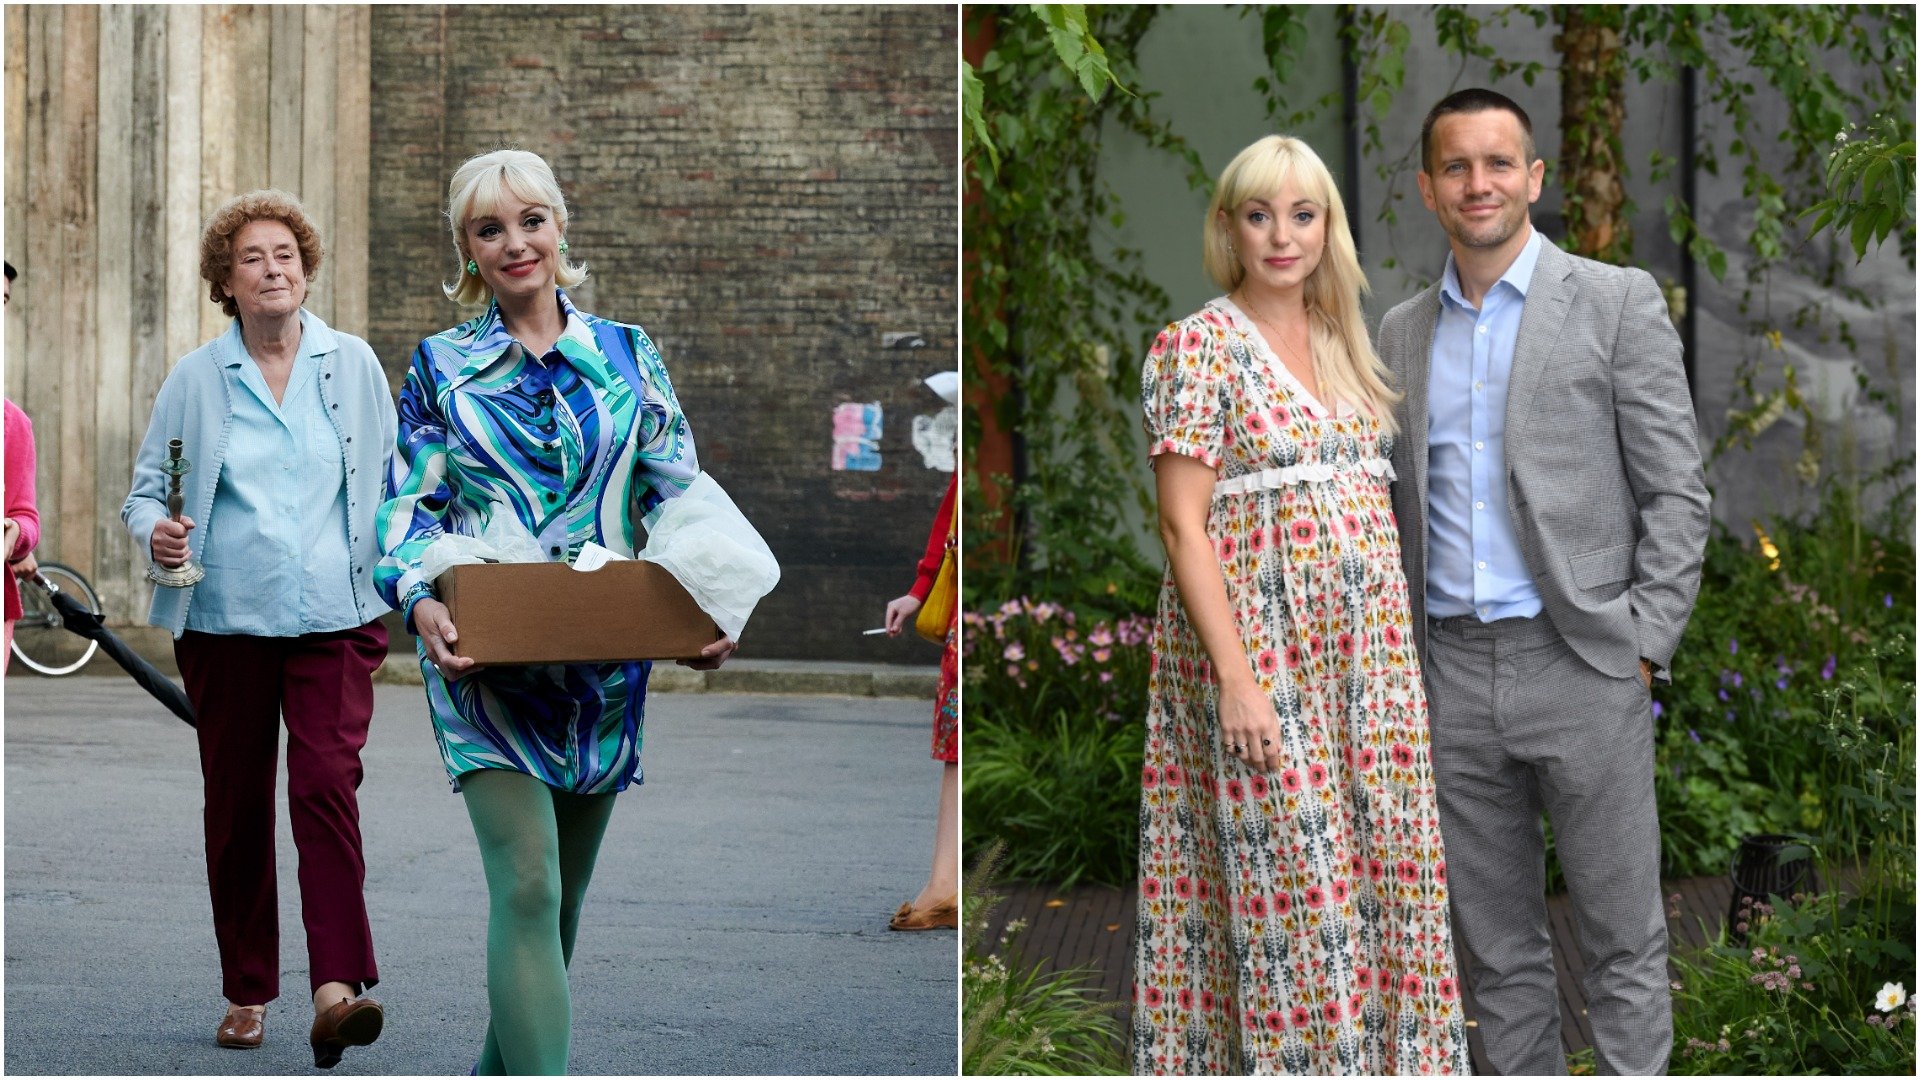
1344	360
267	204
476	190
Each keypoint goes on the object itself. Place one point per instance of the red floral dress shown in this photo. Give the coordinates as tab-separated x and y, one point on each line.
946	697
1293	921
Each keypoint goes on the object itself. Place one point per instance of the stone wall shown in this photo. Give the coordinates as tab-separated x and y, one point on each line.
770	192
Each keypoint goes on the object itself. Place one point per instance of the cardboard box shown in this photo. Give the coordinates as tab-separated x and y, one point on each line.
550	613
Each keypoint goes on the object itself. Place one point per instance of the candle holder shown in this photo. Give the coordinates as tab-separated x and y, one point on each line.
187	573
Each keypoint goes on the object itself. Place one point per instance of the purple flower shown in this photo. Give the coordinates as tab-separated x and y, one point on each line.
1889	600
1657	710
1723	695
1736	678
1826	671
1692	734
1733	646
1781	683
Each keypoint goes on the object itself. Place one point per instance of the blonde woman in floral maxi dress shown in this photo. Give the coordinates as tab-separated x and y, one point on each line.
1293	898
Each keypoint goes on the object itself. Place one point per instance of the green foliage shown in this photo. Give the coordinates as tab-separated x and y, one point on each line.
1800	998
1064	795
1063	323
1055	739
1792	705
1881	167
1019	1022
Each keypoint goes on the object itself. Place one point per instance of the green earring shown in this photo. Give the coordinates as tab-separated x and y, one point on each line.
563	247
473	268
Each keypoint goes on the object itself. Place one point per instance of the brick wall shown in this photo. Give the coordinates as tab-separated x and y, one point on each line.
767	190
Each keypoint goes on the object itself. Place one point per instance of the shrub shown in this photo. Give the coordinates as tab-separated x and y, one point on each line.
1804	996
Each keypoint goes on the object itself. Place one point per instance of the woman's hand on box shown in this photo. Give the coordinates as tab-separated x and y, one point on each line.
713	655
435	626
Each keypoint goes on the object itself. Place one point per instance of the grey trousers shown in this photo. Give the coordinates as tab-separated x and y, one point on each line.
1521	724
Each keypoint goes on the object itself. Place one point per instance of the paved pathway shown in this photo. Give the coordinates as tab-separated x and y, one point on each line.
737	922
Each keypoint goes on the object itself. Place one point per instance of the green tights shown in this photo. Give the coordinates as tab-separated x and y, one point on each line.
537	846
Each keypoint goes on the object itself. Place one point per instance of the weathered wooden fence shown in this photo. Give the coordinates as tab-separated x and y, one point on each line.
126	125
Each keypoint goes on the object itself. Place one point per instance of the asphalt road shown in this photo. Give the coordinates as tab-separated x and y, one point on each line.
736	923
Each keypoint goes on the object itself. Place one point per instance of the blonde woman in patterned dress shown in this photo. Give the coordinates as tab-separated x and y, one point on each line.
1293	898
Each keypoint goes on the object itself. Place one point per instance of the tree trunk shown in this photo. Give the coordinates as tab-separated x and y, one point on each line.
1592	112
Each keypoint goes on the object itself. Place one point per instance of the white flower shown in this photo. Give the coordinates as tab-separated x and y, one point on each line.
1890	997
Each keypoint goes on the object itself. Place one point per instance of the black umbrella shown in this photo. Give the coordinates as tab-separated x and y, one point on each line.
76	618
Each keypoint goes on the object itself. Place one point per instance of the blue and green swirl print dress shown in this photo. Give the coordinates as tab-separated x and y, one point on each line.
581	444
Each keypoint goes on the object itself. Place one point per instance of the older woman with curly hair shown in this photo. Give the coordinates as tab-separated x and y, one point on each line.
287	425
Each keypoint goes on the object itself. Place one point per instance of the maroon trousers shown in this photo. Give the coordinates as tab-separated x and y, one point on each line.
240	687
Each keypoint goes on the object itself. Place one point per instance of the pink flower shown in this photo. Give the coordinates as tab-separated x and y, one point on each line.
1149	776
1301	1017
1409	871
1276	1023
1403	755
1303	531
1448	991
1317	774
1314	897
1183	887
1257	786
1290	781
1267	661
1367	759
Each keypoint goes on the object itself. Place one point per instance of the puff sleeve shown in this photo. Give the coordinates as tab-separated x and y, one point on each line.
1180	392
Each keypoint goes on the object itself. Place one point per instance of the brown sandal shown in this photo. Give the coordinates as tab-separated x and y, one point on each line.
945	914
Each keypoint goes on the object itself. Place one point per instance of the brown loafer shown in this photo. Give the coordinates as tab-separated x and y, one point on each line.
355	1022
242	1029
945	914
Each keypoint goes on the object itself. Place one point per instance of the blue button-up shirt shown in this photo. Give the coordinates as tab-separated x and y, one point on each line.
1474	565
276	550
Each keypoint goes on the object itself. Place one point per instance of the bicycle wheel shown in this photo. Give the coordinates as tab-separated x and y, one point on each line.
39	640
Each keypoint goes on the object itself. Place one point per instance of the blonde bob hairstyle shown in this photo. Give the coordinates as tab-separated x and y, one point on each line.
477	190
1343	358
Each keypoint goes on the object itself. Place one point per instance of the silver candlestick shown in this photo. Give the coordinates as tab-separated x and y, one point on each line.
187	573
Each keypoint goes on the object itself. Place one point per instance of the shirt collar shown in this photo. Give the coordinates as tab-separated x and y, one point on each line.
316	339
1519	275
490	341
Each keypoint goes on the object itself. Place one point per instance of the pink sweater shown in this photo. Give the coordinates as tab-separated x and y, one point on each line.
20	497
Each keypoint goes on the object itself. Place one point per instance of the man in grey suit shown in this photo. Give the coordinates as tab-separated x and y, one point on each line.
1552	519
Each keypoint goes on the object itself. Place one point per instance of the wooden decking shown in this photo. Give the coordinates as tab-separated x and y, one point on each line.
1092	926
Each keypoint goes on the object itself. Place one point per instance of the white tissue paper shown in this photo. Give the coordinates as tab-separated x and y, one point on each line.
704	541
504	540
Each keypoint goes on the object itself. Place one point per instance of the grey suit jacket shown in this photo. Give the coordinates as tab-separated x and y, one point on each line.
1603	462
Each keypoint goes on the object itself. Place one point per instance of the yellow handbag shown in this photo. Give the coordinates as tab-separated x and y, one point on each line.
937	613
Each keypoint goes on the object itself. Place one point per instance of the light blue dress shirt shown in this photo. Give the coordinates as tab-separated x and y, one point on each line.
276	550
1474	565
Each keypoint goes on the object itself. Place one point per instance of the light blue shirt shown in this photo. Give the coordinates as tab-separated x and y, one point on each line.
1474	565
276	549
